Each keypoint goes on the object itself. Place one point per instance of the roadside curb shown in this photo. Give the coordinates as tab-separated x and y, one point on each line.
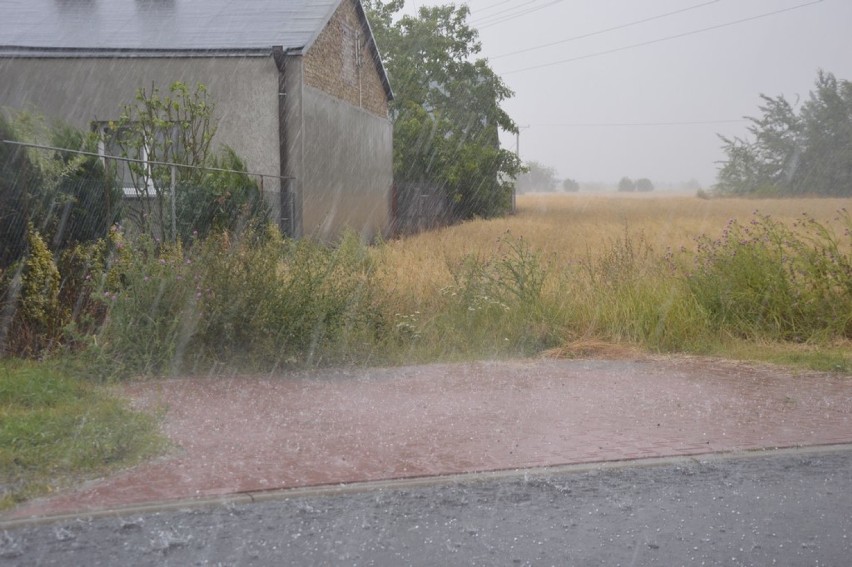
423	481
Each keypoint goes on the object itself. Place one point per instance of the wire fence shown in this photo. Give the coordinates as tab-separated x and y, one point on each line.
71	195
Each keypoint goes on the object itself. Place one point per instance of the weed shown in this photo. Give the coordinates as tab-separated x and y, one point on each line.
766	280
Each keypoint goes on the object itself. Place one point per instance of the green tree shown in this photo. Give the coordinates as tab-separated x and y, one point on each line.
537	177
159	129
789	153
765	165
90	200
65	195
446	111
178	128
824	163
644	185
626	185
570	185
18	175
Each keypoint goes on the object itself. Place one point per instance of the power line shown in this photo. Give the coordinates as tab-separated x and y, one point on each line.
641	124
516	15
660	40
607	30
503	11
491	6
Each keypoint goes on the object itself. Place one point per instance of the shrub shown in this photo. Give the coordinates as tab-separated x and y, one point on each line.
33	317
223	199
66	196
765	280
257	302
146	316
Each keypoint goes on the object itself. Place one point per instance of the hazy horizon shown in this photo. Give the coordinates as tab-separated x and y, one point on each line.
632	102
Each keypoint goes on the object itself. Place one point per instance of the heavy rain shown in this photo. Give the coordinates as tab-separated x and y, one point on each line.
425	283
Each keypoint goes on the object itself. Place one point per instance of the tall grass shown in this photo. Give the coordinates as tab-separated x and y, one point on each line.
764	279
636	270
261	302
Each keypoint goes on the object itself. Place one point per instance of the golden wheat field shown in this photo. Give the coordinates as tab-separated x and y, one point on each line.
566	227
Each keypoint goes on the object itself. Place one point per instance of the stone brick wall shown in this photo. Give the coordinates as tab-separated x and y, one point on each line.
341	63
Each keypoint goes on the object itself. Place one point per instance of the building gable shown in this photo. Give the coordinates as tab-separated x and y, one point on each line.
343	61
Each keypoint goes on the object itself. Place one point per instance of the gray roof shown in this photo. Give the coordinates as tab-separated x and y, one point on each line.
165	25
134	28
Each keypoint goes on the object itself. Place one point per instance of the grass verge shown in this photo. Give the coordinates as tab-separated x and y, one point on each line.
55	430
835	357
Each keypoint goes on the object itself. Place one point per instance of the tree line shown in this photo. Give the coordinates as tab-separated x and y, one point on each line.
794	151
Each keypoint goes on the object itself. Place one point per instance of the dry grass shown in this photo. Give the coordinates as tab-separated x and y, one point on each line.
568	228
593	348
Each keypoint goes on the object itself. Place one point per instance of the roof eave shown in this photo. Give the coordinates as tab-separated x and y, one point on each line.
35	52
377	56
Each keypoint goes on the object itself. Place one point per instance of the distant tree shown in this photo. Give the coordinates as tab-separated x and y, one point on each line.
570	186
691	185
644	185
626	185
792	153
537	177
446	110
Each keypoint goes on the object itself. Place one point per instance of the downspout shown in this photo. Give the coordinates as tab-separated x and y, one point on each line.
285	216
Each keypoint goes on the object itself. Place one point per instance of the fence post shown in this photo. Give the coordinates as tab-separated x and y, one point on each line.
174	205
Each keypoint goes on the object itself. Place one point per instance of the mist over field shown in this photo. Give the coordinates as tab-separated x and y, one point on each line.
641	89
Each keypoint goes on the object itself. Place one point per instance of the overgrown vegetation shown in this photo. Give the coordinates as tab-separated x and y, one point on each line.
55	429
764	280
260	302
257	301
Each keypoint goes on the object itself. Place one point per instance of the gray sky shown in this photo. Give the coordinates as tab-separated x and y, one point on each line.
577	110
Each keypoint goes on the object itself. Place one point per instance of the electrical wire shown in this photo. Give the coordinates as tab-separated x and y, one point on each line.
641	124
606	30
491	6
660	40
488	21
503	11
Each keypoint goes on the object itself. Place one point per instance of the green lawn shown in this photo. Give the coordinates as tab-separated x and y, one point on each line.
55	429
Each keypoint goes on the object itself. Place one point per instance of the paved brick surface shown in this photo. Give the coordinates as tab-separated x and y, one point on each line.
251	434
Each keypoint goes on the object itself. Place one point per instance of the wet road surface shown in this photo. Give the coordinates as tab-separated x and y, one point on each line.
786	508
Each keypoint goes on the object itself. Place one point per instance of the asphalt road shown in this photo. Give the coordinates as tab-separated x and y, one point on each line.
780	508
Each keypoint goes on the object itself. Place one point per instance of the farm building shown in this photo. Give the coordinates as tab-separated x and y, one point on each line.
299	87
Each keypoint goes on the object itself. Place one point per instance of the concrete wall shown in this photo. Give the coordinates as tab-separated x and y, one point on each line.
347	168
338	135
82	91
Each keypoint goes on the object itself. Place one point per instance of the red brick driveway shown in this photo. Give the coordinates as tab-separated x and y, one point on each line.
250	434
